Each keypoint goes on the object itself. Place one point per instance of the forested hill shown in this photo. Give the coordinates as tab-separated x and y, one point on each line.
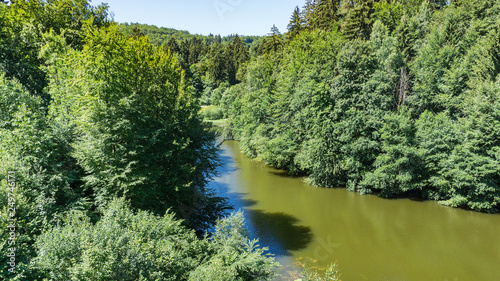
161	35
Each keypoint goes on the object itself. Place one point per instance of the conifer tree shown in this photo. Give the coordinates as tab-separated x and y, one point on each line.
216	65
325	14
296	24
357	18
173	46
307	12
273	41
240	50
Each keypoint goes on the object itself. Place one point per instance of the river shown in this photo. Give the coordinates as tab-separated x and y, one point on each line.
368	237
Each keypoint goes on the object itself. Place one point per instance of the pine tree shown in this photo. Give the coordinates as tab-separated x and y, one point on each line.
296	24
240	50
172	45
273	42
216	69
307	12
325	14
234	53
357	18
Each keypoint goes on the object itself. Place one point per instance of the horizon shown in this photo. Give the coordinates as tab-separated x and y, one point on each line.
198	17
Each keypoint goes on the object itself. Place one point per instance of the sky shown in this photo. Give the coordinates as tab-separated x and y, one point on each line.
224	17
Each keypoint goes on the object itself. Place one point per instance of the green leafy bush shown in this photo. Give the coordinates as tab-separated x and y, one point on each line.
127	245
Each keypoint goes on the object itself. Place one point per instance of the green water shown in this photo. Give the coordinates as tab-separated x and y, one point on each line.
368	237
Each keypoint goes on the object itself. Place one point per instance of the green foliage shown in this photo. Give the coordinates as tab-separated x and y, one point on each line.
212	112
127	245
389	13
37	151
137	132
235	257
399	168
23	24
401	100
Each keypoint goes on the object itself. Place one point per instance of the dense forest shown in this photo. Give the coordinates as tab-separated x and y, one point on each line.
104	153
104	158
397	98
210	62
161	35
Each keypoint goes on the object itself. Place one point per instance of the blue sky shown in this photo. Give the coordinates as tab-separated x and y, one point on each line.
224	17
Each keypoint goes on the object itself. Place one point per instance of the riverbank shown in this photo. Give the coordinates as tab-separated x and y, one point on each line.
370	238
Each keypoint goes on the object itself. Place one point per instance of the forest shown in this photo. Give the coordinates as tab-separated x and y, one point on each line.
395	98
104	158
105	153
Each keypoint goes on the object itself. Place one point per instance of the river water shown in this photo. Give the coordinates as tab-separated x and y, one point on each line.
368	237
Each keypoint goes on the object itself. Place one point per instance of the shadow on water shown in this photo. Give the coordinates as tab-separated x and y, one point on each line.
227	165
279	232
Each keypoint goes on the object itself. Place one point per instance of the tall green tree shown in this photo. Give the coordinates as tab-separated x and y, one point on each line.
173	45
324	14
236	54
273	42
357	18
296	24
138	133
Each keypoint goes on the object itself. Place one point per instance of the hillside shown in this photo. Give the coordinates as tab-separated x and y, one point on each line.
161	35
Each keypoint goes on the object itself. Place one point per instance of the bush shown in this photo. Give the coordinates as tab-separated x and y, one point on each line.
125	245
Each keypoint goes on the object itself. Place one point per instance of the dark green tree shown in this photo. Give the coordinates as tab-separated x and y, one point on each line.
324	14
216	68
274	41
236	54
172	45
296	24
357	18
138	133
